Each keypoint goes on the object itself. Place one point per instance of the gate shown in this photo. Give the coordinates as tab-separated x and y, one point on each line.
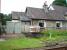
13	27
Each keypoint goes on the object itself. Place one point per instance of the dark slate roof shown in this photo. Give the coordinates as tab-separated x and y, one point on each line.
54	15
37	13
24	18
20	16
58	13
17	15
60	9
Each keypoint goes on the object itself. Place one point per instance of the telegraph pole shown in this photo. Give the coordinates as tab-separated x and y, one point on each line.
0	6
0	18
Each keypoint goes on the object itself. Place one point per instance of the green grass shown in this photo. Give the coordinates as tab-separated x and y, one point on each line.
19	43
56	35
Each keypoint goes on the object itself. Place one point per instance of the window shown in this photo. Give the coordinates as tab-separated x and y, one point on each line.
57	24
41	24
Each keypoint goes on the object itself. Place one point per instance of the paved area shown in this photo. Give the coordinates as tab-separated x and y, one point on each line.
2	39
8	36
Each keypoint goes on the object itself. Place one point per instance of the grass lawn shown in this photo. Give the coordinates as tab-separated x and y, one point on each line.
54	36
17	43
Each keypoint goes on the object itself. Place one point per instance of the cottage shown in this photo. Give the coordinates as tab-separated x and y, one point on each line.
48	18
43	17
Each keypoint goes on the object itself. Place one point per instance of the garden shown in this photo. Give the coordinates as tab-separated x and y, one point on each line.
48	38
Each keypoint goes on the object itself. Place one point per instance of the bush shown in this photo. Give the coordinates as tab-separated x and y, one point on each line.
45	32
54	33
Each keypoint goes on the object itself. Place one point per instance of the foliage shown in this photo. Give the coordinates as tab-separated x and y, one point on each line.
1	22
1	15
57	36
8	17
3	19
45	32
56	33
60	2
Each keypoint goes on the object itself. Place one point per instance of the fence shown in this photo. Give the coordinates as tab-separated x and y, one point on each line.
16	27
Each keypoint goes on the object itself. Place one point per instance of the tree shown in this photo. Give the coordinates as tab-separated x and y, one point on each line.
7	17
1	22
60	2
3	19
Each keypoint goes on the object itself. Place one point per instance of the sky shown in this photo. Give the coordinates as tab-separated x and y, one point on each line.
7	6
66	1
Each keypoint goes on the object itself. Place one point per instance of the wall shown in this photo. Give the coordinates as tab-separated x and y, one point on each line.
65	25
36	22
17	27
46	23
13	27
25	26
50	24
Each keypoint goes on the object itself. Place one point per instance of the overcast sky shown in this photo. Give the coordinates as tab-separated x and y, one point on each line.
7	6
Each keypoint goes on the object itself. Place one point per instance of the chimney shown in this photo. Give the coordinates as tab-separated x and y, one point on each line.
45	7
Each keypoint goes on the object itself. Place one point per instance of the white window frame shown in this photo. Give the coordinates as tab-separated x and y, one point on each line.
44	23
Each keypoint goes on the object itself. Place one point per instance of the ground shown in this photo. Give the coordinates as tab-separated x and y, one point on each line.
50	37
19	43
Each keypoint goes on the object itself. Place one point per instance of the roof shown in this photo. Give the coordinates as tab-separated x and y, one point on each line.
24	18
17	15
20	16
55	15
60	9
37	13
58	13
